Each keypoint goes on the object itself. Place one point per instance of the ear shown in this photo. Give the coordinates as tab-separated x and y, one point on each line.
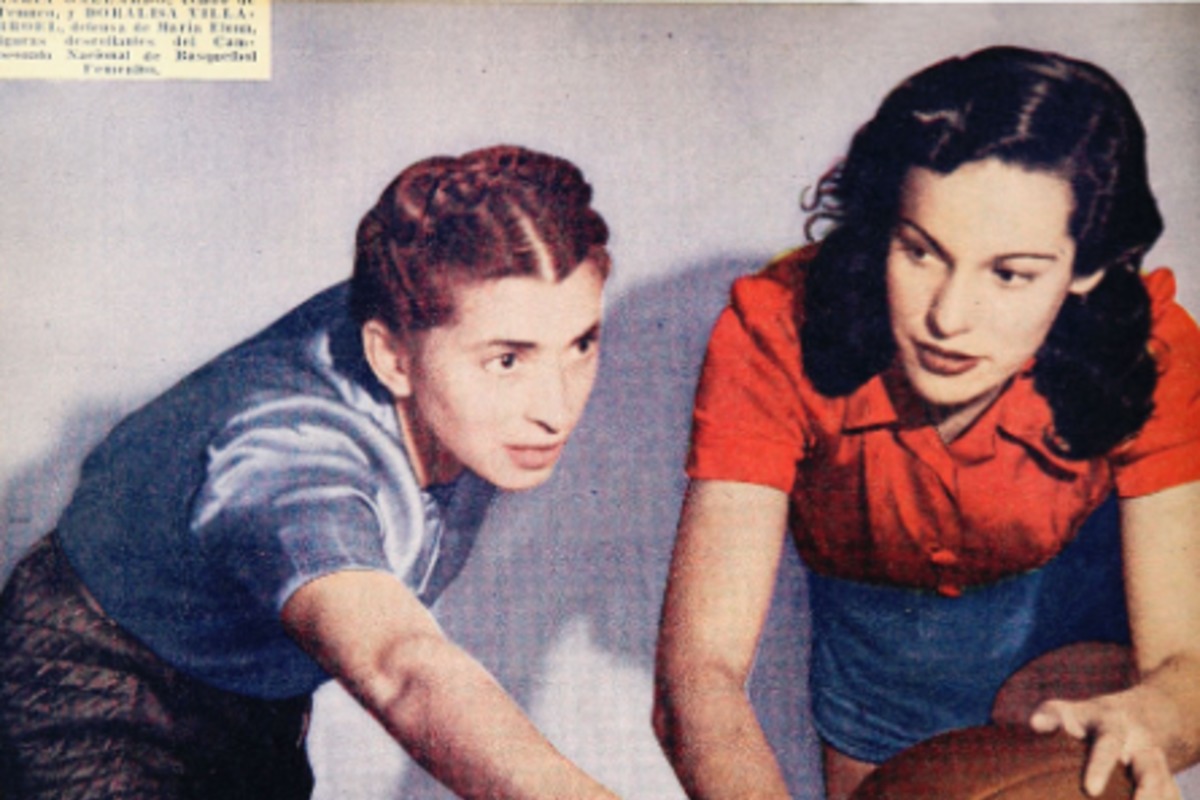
1082	284
389	357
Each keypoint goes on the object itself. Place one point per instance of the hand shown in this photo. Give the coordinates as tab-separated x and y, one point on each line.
1121	733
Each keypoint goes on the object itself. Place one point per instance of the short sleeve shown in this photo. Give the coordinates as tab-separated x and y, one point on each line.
1166	452
301	487
748	424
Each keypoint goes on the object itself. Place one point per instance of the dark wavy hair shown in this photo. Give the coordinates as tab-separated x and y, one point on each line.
1037	110
491	213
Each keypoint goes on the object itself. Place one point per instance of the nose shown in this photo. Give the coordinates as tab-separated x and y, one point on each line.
550	400
952	306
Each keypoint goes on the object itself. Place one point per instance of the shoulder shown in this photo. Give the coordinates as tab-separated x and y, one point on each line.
1171	324
298	486
761	317
297	409
762	309
755	408
282	441
1174	340
1166	451
307	362
774	289
262	405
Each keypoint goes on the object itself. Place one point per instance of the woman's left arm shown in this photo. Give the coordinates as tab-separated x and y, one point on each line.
1153	727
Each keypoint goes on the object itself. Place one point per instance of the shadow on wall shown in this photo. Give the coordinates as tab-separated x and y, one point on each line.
561	598
36	495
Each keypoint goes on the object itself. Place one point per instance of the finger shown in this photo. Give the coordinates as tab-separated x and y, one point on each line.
1104	757
1045	720
1055	714
1152	776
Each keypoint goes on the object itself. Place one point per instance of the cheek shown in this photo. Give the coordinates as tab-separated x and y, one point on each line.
906	298
581	382
454	405
1022	325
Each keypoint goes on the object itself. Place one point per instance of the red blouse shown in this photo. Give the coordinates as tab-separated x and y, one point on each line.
875	493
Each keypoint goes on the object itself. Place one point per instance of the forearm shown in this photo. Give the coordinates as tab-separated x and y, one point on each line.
1170	694
1162	579
441	705
718	593
710	733
458	723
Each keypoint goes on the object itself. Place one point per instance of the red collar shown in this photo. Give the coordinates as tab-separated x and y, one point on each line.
1019	414
886	400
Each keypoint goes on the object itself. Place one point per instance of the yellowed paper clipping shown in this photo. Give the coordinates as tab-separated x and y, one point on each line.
135	39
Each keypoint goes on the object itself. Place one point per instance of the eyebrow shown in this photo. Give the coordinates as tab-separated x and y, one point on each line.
930	240
937	247
523	346
508	344
592	332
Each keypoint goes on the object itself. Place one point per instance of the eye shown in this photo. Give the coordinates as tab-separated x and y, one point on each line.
503	363
587	343
915	251
1011	277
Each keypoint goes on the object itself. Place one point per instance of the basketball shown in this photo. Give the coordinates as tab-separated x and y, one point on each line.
989	762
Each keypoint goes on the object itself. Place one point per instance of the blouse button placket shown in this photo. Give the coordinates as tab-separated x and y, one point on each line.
944	560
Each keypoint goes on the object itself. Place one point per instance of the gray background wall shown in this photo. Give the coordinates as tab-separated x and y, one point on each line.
144	227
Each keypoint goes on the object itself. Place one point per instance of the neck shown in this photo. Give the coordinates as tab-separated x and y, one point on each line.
431	462
952	422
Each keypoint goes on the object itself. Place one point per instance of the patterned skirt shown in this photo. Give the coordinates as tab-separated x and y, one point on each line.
87	711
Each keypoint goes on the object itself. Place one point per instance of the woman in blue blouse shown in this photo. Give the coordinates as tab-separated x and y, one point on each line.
287	513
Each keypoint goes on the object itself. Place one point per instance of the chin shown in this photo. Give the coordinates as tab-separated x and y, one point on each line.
518	480
949	399
948	392
944	396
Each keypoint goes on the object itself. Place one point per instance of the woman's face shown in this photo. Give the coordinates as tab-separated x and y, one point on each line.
978	266
501	387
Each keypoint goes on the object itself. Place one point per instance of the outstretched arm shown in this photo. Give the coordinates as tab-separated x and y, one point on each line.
1153	727
367	629
718	594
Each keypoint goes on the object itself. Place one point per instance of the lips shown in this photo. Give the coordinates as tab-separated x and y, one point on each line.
946	363
533	457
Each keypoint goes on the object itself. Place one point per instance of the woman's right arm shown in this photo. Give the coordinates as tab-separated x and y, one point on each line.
372	633
719	590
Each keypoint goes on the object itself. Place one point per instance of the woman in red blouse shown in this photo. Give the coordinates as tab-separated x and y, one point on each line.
936	401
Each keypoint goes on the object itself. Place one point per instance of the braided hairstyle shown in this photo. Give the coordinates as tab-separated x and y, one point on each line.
1040	111
492	213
